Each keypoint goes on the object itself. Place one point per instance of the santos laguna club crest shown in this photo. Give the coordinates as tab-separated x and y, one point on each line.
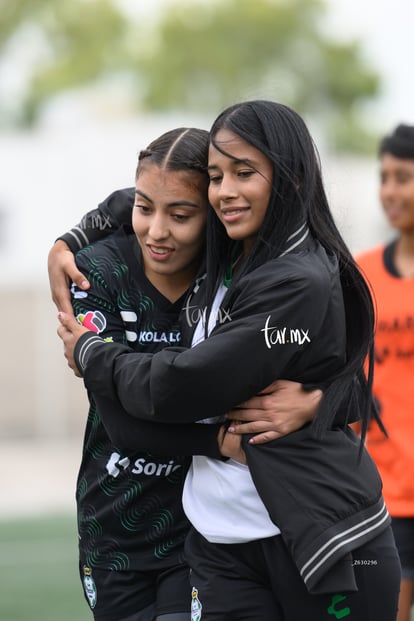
89	586
195	606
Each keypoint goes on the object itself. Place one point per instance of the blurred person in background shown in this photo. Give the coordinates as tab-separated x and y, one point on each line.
389	268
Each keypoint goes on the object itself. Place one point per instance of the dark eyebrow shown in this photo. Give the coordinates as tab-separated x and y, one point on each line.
183	204
139	193
235	160
172	204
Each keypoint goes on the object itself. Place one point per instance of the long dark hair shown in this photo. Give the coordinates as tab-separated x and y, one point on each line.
298	197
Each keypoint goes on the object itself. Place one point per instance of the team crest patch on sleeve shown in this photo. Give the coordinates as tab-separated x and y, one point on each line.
196	606
89	586
93	320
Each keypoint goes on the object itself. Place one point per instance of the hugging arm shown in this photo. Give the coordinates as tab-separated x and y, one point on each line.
284	407
129	433
98	308
114	212
238	360
280	409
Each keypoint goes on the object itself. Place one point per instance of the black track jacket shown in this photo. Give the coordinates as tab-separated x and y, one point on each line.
283	320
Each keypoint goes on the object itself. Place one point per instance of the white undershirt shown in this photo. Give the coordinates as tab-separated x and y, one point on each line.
219	497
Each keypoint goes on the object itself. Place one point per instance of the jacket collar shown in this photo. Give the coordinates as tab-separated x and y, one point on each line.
296	239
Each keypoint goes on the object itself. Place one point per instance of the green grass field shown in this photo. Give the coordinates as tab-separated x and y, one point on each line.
38	571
